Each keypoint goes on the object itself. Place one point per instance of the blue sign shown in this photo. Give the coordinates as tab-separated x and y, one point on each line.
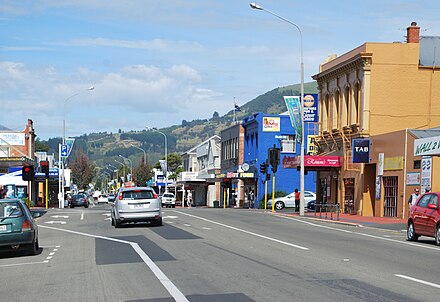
310	108
361	150
64	150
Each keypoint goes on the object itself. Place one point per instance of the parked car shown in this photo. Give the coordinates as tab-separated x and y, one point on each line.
111	197
424	218
311	205
103	198
136	204
79	200
168	200
288	201
18	229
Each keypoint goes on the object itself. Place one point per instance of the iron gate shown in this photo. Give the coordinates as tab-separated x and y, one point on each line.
390	196
349	195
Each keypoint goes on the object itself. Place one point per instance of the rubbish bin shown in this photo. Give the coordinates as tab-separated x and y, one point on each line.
216	203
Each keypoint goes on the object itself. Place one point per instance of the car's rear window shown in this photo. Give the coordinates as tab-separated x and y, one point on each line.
10	209
168	195
137	194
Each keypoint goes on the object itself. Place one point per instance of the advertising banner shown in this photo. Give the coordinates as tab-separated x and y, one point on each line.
361	150
310	108
293	105
426	172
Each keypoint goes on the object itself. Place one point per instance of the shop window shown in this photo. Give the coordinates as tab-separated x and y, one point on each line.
288	144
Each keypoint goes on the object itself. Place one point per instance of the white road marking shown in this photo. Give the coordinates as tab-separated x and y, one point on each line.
361	234
20	264
205	228
418	280
247	232
187	224
166	282
82	216
108	218
48	258
51	254
60	216
106	214
55	222
171	217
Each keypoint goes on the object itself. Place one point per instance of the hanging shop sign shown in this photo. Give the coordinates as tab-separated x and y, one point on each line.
361	150
312	161
427	146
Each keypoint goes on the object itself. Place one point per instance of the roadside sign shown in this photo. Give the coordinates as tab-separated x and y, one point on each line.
64	150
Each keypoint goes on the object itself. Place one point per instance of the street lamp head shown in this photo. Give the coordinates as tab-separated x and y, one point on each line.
255	6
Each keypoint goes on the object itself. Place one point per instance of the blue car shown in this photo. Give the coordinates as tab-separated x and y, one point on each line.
18	229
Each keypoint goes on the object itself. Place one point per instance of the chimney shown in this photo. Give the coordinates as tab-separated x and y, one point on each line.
413	33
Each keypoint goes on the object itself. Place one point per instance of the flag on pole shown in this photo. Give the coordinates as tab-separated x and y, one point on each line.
237	108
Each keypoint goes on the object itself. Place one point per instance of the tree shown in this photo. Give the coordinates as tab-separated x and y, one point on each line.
82	170
142	173
215	115
41	146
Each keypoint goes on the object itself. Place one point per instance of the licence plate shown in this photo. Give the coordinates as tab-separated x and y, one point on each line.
136	206
2	228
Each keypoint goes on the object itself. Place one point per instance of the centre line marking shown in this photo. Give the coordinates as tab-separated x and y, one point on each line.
247	232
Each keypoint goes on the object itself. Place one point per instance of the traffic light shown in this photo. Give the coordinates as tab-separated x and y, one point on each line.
27	173
45	167
263	168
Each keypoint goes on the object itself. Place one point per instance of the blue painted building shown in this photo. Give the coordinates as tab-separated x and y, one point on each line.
263	131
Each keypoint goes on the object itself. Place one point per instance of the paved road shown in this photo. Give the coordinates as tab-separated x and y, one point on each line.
218	255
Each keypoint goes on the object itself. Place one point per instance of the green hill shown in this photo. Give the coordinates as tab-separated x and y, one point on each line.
103	148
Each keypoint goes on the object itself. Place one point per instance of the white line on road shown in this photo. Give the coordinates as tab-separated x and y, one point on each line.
418	280
247	232
361	234
82	216
166	282
20	264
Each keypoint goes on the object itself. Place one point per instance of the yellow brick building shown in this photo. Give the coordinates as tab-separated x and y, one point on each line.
374	89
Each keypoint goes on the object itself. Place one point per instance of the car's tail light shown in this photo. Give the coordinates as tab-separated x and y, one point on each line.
26	226
154	195
120	196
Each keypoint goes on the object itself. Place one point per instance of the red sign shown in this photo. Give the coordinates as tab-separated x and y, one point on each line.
312	161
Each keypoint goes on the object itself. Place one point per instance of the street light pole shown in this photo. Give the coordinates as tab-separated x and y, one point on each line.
123	165
145	153
166	156
61	159
301	204
131	165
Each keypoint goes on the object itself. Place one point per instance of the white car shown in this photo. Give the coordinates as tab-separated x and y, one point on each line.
168	200
289	200
136	204
103	198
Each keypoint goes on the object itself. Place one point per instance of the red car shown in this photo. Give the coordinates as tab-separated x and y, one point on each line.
424	218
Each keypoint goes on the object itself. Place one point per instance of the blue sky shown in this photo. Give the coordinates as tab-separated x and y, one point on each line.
156	63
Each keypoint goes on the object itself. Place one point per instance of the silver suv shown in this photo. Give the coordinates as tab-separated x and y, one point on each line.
136	204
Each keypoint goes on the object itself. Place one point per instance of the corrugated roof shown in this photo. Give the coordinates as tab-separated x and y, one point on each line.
425	133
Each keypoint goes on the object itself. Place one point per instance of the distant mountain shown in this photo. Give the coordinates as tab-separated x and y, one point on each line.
3	128
103	148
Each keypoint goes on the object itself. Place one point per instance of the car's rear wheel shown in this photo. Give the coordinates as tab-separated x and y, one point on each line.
411	233
437	235
34	247
158	222
279	205
117	224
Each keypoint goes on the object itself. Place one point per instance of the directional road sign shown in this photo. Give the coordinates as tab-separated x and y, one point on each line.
64	150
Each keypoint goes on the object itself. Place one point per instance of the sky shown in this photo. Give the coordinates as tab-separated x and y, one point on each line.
156	63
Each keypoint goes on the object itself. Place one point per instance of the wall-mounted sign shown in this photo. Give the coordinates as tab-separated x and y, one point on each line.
12	138
312	161
412	178
271	124
361	150
426	172
427	146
